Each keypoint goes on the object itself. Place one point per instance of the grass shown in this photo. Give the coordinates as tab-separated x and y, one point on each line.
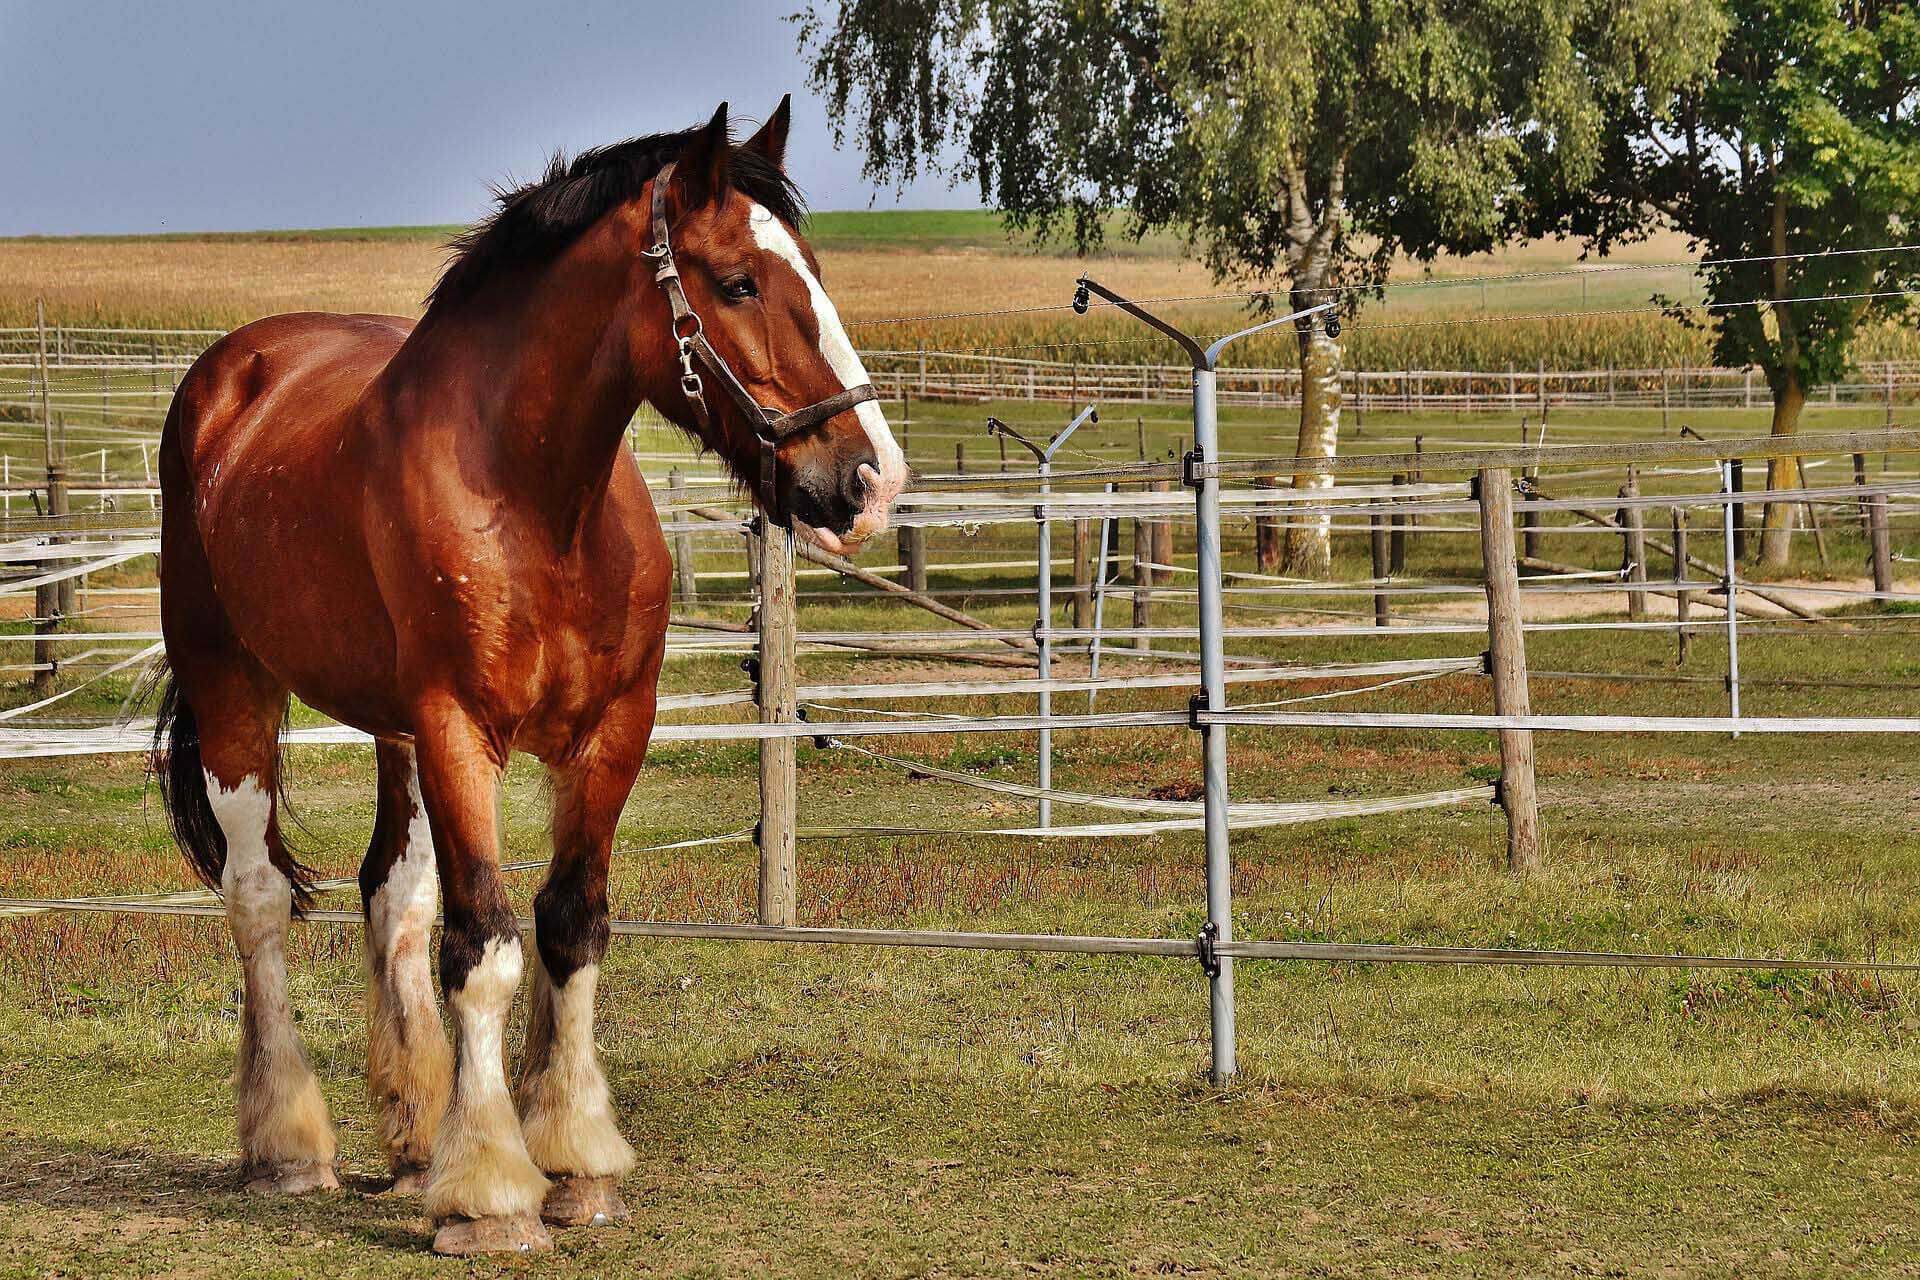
855	1112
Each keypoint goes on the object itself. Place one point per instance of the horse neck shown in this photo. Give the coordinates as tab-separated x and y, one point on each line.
539	364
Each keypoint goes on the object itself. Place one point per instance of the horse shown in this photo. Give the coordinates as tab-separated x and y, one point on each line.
433	531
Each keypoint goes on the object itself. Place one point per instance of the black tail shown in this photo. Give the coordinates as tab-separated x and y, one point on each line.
183	790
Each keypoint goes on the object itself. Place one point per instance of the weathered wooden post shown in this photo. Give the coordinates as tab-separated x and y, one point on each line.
1162	538
1881	544
775	688
1634	539
1739	474
1082	573
1683	608
1397	546
1507	664
959	458
1377	544
913	554
1142	580
684	571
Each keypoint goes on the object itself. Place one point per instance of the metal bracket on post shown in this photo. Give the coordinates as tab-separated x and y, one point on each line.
1190	468
1196	704
1206	948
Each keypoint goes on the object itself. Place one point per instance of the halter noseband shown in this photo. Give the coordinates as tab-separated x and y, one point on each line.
770	426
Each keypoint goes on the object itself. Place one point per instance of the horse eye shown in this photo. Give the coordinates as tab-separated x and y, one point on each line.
739	288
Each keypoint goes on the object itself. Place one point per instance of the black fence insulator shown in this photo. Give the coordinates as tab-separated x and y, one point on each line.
1195	705
1206	949
1189	463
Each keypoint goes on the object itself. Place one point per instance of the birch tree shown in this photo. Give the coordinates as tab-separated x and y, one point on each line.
1294	146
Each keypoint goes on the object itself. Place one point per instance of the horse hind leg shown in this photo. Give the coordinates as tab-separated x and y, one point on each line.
409	1066
286	1135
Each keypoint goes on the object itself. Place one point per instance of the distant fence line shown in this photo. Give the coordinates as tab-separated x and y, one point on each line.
102	365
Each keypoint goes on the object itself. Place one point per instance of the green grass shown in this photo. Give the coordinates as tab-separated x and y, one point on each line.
814	1111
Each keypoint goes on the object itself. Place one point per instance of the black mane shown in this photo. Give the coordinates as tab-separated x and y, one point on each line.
535	221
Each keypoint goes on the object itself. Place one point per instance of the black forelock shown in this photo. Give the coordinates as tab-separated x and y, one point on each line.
532	222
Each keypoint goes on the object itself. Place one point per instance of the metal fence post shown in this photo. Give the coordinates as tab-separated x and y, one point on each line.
775	688
1213	696
1043	636
1730	586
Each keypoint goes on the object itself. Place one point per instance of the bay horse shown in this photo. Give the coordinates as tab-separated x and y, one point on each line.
434	532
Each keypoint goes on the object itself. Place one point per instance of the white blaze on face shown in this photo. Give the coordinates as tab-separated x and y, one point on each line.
772	236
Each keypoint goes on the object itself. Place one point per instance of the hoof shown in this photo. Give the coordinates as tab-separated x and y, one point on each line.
466	1237
584	1202
408	1180
291	1179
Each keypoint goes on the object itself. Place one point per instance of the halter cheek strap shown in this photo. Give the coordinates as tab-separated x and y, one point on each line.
769	425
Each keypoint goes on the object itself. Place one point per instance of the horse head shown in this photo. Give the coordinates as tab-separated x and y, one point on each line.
766	374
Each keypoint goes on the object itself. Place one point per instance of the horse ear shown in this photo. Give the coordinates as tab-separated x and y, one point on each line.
771	140
706	158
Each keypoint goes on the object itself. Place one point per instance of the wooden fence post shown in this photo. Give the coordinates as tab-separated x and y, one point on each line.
1634	540
1397	546
1880	542
684	568
1377	542
1162	539
1142	579
913	554
1739	510
775	689
1082	574
1507	664
1683	608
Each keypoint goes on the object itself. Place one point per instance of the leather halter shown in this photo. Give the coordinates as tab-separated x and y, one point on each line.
769	425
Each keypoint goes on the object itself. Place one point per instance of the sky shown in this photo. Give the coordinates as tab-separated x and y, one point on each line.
200	116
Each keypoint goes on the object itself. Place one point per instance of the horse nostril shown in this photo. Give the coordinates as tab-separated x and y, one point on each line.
854	483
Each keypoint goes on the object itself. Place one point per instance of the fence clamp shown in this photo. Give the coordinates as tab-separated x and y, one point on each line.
1486	662
1189	463
751	666
1499	800
1195	705
1206	950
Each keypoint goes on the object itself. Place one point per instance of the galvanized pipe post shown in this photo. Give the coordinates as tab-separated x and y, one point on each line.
1043	638
1213	696
1729	534
1213	662
1043	624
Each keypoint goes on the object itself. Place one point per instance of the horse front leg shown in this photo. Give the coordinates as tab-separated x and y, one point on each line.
565	1108
483	1190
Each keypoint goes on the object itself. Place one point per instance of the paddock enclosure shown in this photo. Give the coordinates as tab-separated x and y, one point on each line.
1544	817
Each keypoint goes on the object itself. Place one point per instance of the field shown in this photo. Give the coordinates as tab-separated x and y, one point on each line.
884	266
814	1111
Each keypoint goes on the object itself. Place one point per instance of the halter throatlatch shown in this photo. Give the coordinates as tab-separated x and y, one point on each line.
770	426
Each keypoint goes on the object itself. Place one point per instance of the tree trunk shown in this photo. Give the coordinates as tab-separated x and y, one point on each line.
1782	473
1309	543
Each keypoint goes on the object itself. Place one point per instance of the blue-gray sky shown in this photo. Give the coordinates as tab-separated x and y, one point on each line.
218	116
